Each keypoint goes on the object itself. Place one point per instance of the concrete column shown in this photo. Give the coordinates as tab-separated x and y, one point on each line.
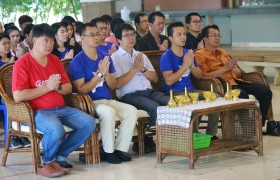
95	8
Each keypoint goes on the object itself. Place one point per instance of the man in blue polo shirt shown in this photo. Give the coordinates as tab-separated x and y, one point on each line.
92	72
107	47
178	65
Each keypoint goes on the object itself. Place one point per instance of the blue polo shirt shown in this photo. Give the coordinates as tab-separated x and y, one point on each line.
84	67
171	62
106	48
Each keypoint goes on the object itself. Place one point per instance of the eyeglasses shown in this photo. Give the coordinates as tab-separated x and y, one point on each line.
92	35
129	35
197	22
216	36
144	21
102	28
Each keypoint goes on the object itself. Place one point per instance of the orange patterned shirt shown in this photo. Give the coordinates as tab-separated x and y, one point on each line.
209	61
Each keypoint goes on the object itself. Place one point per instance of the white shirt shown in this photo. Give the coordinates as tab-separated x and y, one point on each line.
123	62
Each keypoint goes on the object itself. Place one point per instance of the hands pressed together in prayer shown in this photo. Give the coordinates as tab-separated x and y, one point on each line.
103	66
53	82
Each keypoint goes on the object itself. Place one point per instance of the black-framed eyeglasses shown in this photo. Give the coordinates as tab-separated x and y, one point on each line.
144	21
92	35
129	35
197	22
215	36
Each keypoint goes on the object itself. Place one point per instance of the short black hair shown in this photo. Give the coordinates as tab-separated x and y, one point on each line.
57	25
28	29
153	14
24	18
122	27
107	17
188	17
98	20
137	17
82	29
79	24
43	30
114	22
69	19
8	25
10	29
205	31
170	28
4	35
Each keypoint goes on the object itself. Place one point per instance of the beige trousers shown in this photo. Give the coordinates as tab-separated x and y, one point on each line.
108	112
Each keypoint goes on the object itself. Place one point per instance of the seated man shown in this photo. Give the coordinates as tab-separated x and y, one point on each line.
92	72
153	40
134	74
39	78
194	25
214	61
142	25
178	65
107	47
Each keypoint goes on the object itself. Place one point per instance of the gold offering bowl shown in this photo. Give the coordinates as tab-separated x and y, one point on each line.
194	97
207	96
235	93
181	100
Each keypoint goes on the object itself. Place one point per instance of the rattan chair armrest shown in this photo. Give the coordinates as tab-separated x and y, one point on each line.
224	82
75	100
89	104
205	84
255	77
20	112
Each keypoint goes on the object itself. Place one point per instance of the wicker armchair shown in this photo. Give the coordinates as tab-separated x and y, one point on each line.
255	77
141	122
19	113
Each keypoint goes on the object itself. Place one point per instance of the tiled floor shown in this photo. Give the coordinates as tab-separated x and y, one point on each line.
224	166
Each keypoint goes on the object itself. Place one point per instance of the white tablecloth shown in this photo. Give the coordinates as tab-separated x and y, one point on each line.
181	116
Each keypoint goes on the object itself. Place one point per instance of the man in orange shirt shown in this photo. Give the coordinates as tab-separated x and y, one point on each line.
214	61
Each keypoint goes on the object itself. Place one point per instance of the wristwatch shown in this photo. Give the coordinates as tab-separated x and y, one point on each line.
59	87
144	70
100	75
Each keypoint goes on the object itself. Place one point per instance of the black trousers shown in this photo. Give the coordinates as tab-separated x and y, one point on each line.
261	92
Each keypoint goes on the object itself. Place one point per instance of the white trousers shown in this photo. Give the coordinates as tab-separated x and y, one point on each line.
109	111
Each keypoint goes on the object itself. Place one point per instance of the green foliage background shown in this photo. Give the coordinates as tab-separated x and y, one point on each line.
39	10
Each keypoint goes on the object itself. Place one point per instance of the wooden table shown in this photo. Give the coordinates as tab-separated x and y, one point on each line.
241	128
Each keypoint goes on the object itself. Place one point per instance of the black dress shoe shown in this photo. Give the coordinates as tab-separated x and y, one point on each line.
122	156
272	129
112	158
213	138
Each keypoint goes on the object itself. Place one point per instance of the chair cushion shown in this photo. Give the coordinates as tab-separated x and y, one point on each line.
142	113
25	128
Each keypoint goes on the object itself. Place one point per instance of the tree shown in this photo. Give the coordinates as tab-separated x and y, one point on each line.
39	10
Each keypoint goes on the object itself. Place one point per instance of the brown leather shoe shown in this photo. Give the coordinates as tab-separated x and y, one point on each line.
60	168
49	171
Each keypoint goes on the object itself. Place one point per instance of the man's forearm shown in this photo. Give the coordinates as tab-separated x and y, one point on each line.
218	72
29	94
124	79
66	89
88	86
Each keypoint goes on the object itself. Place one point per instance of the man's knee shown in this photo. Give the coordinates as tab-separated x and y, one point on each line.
57	132
104	111
88	122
